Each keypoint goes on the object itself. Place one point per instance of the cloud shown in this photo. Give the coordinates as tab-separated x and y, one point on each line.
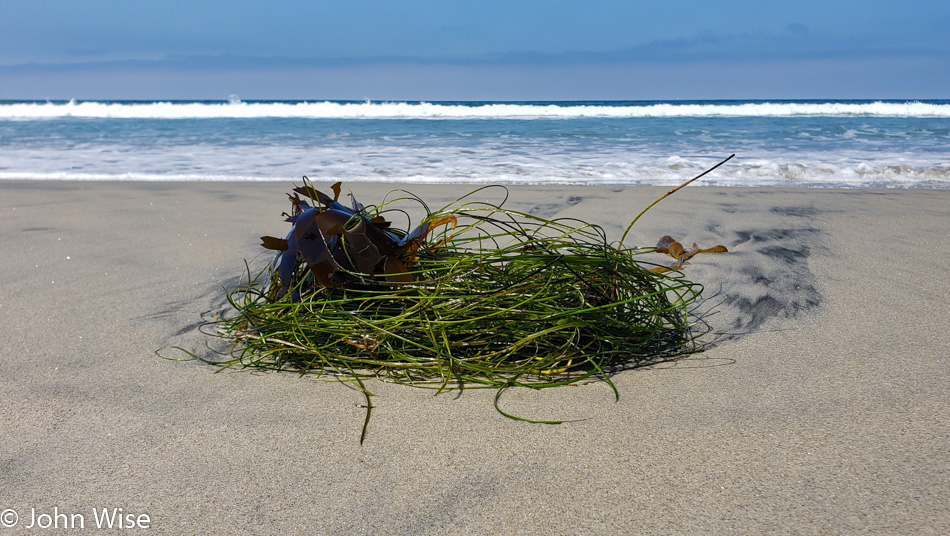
868	78
793	42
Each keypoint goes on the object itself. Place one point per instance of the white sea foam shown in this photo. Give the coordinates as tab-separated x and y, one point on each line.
424	110
410	168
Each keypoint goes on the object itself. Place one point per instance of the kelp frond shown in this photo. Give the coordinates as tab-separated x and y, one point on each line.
477	295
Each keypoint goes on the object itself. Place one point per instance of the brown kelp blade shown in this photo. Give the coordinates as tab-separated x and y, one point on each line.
419	234
334	240
368	246
331	222
380	222
362	248
671	247
395	271
274	243
313	248
716	249
317	195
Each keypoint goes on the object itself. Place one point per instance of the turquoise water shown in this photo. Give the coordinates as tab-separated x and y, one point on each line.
902	144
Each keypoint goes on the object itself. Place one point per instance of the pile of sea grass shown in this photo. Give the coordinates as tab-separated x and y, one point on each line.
477	295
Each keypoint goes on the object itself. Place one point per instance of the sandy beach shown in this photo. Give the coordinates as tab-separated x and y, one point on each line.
822	407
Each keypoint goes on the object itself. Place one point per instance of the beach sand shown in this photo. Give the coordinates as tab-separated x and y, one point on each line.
822	408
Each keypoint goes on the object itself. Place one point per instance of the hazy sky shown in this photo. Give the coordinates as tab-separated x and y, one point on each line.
484	49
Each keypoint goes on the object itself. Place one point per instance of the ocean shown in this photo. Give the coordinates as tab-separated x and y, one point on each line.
834	143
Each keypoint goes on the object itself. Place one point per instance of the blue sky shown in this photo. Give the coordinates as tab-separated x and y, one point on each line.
474	50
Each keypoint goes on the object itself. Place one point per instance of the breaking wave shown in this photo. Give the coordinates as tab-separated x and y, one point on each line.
235	108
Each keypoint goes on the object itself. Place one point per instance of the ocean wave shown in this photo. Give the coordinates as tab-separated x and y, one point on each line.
236	109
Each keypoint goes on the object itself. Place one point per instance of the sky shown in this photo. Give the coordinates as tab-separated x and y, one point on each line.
474	50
